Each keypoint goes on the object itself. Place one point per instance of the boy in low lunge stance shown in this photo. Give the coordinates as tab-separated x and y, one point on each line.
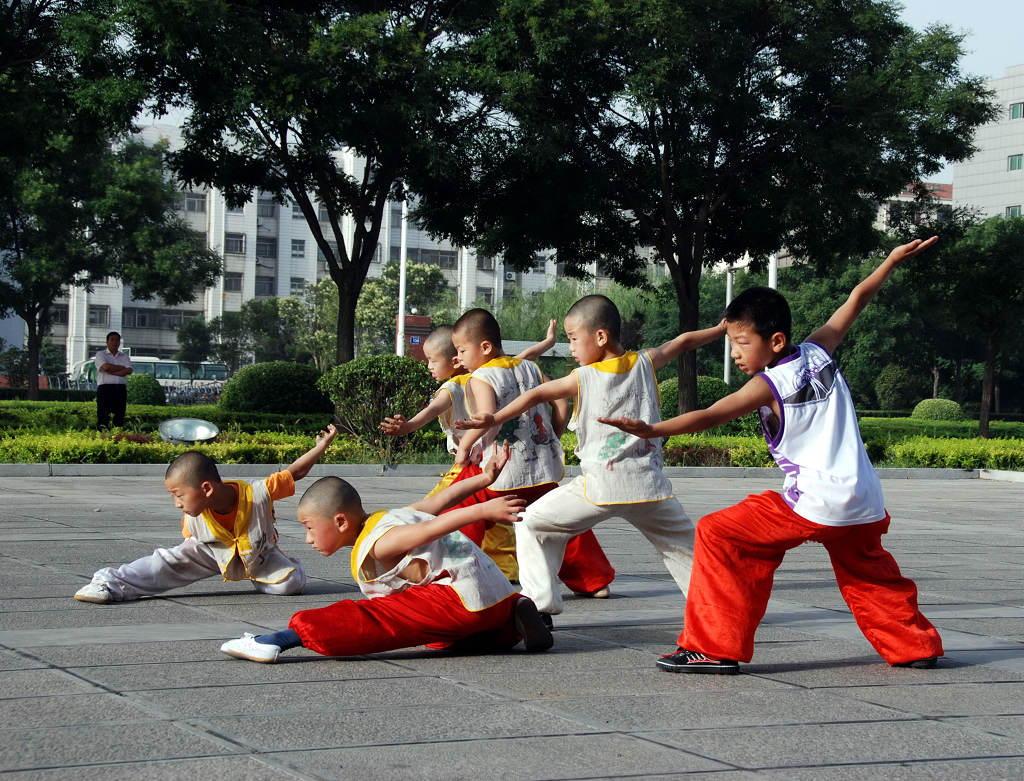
426	582
831	495
622	474
228	529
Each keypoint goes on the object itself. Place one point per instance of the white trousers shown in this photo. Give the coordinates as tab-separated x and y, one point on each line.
167	568
558	516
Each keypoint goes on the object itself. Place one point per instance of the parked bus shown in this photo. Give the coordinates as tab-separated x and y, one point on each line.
169	373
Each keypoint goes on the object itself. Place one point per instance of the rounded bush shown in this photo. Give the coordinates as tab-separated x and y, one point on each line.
938	409
275	386
144	389
709	390
896	387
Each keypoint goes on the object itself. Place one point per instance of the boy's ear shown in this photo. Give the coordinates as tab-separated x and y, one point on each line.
778	342
341	521
207	488
601	337
486	347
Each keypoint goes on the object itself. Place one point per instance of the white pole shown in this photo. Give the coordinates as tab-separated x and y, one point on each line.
727	372
400	334
773	271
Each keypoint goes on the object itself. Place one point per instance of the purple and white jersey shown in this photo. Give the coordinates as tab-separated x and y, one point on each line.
829	478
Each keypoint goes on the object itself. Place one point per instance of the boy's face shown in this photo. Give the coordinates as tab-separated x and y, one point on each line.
750	351
585	345
326	535
470	353
191	500
441	366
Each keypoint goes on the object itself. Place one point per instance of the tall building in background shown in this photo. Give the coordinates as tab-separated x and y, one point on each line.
992	181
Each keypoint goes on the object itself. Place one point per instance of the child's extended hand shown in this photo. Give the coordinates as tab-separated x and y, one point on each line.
905	251
635	426
480	420
497	462
504	509
550	335
324	438
394	426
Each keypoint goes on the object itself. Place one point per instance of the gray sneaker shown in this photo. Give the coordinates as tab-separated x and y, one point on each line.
96	591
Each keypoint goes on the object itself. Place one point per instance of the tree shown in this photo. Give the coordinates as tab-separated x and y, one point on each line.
194	343
703	129
425	291
231	341
311	318
274	91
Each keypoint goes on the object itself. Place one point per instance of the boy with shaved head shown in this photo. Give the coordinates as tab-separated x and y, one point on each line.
621	474
427	583
228	527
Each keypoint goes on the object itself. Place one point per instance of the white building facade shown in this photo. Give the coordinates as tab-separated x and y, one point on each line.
992	181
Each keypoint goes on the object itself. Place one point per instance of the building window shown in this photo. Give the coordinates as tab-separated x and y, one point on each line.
171	319
195	202
1016	162
322	214
297	212
266	208
264	286
509	293
266	247
133	317
298	248
485	294
448	259
1017	111
298	286
234	243
232	282
485	263
320	254
59	314
1013	211
99	315
236	209
539	263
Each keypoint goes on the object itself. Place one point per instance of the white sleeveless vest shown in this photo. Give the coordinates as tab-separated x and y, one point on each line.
455	387
535	453
619	468
829	478
452	560
250	552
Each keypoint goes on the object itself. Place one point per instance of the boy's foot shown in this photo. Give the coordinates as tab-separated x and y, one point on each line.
246	647
684	661
919	664
602	593
549	622
531	625
96	591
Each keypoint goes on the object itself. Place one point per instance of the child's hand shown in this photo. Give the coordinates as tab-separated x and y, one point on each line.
633	426
394	426
324	438
497	462
550	335
504	509
905	251
480	420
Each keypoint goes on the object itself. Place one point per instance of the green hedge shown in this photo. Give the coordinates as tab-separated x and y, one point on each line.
48	394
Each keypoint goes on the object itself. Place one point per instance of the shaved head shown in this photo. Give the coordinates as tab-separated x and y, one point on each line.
193	468
479	325
329	496
440	341
597	312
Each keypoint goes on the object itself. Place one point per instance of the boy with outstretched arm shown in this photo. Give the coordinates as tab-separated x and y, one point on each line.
831	494
449	404
621	474
537	462
426	582
228	526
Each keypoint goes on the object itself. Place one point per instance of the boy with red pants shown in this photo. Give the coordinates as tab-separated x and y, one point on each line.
831	493
426	582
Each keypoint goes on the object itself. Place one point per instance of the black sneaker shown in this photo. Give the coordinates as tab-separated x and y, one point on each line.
919	664
684	661
531	625
548	622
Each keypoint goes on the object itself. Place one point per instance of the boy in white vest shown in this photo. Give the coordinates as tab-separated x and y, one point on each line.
537	462
427	583
622	475
449	404
831	494
228	527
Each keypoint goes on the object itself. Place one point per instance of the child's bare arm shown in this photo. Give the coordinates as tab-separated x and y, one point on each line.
550	391
542	346
402	539
480	397
559	416
831	334
301	466
397	424
462	489
753	395
685	342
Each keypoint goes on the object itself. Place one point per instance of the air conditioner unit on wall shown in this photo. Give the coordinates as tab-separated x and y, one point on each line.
510	276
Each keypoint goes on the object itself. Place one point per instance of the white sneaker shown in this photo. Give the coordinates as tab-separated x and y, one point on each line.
246	647
96	591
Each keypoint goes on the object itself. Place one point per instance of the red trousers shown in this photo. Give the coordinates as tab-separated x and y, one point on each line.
737	551
585	568
417	616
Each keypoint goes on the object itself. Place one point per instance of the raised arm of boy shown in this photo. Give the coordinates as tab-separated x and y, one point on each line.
551	391
397	424
300	466
545	344
690	340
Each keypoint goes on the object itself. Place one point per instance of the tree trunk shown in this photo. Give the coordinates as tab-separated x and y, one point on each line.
987	383
34	343
935	381
687	361
347	299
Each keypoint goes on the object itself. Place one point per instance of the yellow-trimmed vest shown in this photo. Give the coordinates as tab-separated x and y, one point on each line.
250	551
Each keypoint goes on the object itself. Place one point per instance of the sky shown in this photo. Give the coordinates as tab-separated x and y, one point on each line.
993	41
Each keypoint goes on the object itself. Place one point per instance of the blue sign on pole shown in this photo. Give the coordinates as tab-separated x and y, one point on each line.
414	340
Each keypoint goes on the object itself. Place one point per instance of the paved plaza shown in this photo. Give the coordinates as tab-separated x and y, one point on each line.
140	690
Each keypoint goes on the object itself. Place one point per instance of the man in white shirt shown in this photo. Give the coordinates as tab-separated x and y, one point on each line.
112	370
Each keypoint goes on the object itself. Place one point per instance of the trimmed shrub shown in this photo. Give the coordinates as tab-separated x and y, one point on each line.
896	387
144	389
275	386
709	390
938	409
372	387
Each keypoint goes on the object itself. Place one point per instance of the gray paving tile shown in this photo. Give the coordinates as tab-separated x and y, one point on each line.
221	768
